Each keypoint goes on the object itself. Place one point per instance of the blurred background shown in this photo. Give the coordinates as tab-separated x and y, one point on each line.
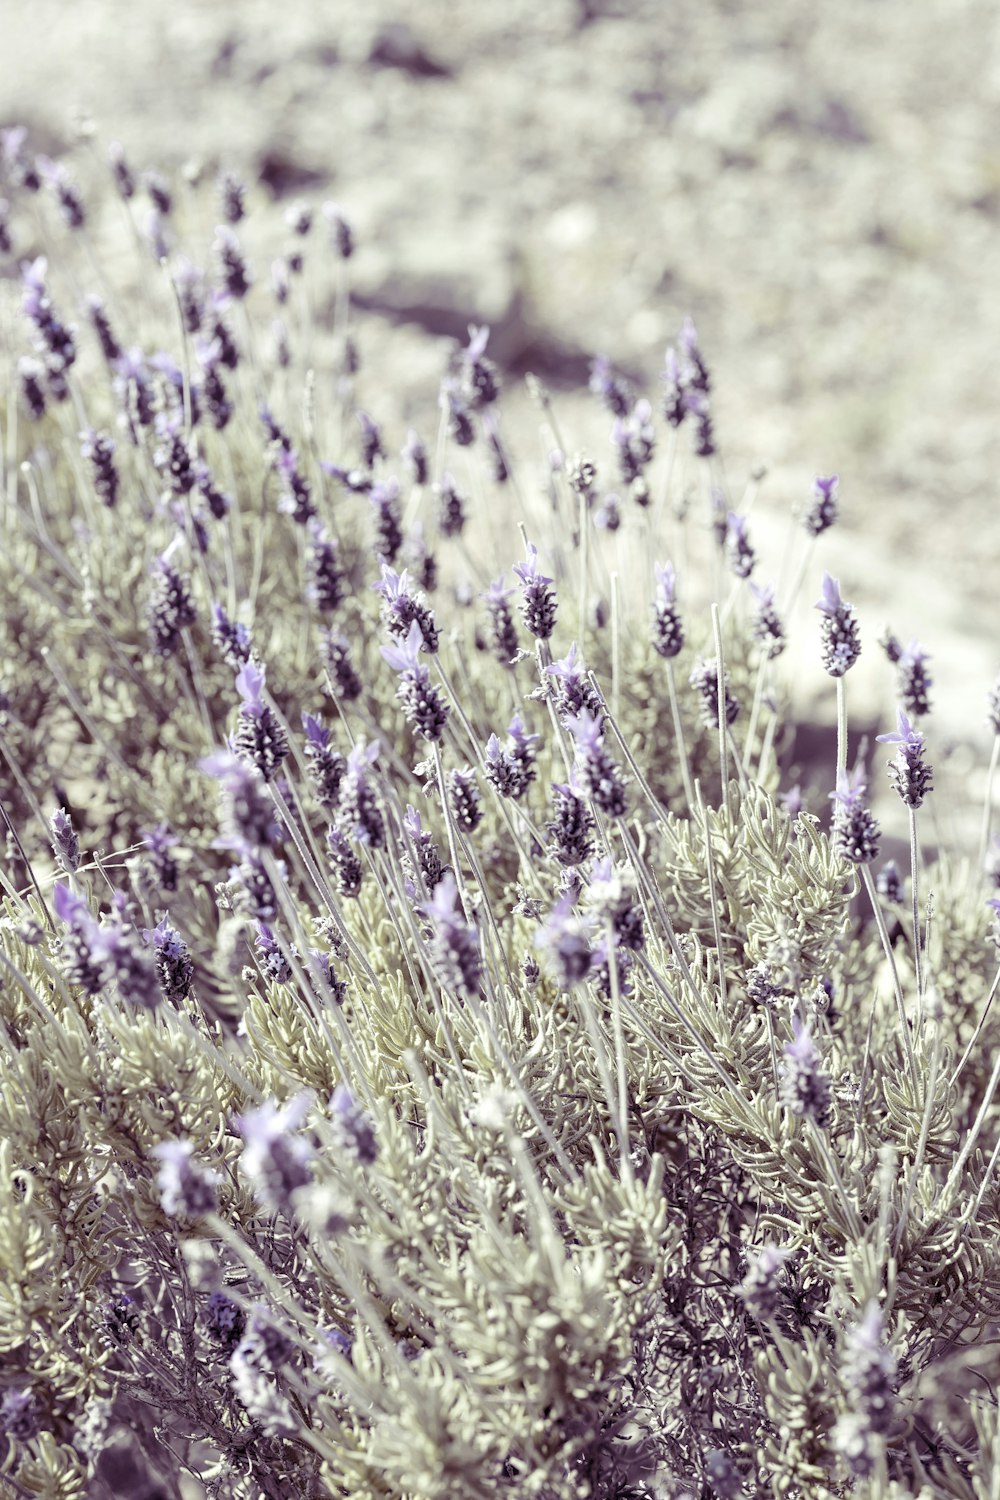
818	186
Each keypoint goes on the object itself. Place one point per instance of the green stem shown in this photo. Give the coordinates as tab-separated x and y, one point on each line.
869	884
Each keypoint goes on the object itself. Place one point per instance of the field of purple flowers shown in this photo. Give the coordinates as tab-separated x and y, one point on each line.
456	1039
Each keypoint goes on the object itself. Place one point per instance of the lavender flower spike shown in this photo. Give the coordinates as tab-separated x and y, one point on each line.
274	1157
668	632
598	774
359	811
760	1287
910	777
186	1189
260	740
423	704
538	605
455	950
565	943
82	947
65	844
249	813
823	511
914	679
803	1089
841	639
174	964
353	1129
855	831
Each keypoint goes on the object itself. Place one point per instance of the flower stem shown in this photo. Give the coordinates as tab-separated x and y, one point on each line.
869	884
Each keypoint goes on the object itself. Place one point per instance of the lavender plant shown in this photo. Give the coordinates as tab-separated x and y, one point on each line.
492	1087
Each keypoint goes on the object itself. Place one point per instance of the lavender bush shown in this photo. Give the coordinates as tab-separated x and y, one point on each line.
442	1053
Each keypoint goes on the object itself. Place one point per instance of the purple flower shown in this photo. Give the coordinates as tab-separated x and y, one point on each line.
20	1417
597	773
803	1089
348	871
174	964
454	946
325	765
128	964
400	609
503	635
257	1392
739	552
22	169
231	638
121	1319
31	386
511	770
359	812
414	455
668	631
463	798
914	679
823	511
341	236
480	381
451	507
232	195
121	171
694	375
760	1287
260	739
792	801
345	684
460	424
704	679
855	831
564	942
170	610
249	820
258	895
428	860
425	709
232	266
868	1369
405	657
159	842
83	946
889	883
372	446
324	978
634	442
574	690
910	776
186	1189
99	450
538	603
327	580
570	831
224	1320
673	405
609	387
274	964
65	844
352	1128
275	1158
296	492
841	639
611	900
767	626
